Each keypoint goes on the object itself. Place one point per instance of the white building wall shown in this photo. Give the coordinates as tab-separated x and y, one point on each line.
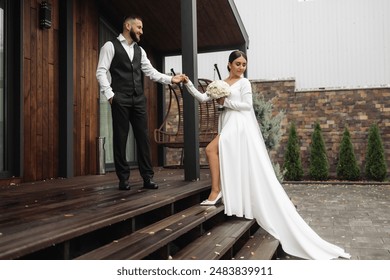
320	43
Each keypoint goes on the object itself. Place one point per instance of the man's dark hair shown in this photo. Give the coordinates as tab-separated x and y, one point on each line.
131	17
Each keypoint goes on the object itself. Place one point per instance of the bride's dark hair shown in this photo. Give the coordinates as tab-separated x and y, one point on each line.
234	55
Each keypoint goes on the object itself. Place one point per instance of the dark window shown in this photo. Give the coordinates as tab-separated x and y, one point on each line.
2	90
10	77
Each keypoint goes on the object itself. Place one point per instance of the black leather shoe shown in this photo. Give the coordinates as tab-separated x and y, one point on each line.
150	185
124	186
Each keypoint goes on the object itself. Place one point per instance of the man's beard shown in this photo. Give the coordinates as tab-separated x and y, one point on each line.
134	36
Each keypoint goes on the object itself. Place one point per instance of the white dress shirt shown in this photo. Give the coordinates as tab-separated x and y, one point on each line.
105	58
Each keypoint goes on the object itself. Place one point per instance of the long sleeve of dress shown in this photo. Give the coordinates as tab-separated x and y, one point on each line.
201	97
246	102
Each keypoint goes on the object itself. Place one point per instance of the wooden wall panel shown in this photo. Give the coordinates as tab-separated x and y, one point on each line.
28	174
33	96
41	89
45	103
86	121
39	97
54	100
40	94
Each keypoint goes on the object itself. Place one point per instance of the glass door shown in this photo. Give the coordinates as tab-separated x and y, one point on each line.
10	88
107	33
2	89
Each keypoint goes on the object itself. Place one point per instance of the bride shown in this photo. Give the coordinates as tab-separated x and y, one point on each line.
242	175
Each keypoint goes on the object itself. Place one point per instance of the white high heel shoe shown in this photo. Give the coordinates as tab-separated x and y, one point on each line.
212	202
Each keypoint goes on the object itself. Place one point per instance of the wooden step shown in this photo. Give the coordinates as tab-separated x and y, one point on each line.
151	238
59	214
216	243
260	246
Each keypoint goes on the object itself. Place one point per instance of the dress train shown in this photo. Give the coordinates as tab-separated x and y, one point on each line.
249	185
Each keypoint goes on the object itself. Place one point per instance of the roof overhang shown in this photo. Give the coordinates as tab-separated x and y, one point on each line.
219	26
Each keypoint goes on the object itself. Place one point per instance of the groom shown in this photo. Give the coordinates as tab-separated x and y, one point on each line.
124	59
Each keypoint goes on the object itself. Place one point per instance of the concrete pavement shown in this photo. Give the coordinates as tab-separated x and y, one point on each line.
354	216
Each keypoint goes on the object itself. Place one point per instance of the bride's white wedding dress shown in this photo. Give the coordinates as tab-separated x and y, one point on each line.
249	185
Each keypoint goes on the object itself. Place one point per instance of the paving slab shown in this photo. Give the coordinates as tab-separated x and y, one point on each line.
353	216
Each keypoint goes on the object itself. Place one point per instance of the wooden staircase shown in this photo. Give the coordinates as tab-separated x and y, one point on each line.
105	223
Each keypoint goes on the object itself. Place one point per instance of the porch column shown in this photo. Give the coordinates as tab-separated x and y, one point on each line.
190	105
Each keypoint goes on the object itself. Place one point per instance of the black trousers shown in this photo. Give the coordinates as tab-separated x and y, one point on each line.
127	109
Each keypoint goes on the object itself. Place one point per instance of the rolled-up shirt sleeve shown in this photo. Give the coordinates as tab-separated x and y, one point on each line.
151	72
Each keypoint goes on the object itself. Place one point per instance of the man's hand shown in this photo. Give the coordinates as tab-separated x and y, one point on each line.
178	78
110	100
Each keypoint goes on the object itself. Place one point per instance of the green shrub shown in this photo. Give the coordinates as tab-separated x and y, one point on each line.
376	168
347	167
292	158
268	122
319	166
269	126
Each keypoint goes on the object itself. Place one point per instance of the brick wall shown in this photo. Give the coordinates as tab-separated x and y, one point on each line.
333	109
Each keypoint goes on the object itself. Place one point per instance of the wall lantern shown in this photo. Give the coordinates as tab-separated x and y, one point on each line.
45	15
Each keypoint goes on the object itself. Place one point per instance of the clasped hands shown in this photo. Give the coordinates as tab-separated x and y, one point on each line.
183	78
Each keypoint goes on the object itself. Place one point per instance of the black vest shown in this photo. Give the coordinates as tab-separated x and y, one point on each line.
126	74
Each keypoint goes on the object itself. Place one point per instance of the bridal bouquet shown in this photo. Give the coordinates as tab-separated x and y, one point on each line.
218	89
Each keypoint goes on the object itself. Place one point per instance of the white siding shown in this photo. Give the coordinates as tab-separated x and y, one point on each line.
205	64
320	43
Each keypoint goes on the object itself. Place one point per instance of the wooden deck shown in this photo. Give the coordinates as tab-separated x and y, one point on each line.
89	218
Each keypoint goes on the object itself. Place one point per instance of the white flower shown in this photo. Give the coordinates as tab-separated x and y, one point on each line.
218	89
